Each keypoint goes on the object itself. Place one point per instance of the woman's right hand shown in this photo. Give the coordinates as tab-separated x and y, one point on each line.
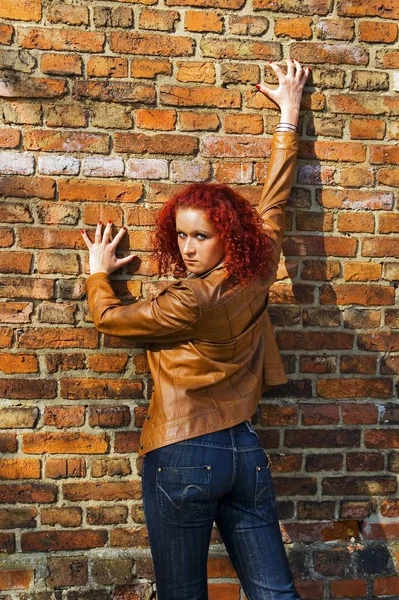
288	94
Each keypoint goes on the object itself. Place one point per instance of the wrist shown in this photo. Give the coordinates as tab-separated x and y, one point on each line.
290	116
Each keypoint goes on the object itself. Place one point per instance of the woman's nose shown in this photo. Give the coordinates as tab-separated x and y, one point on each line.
188	247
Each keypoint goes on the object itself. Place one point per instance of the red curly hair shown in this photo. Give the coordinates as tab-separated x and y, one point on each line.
247	246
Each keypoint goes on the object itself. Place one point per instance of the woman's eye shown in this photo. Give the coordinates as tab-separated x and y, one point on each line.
180	234
201	236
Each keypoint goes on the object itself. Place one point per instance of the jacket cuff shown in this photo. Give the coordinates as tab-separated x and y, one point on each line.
92	279
284	139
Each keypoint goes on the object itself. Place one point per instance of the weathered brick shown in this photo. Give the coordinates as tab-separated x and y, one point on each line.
15	312
239	49
107	66
107	515
200	72
51	38
59	141
355	199
356	271
109	416
62	468
203	21
70	114
6	34
151	44
74	190
114	91
380	246
111	467
242	123
148	68
8	443
373	8
27	493
55	541
320	414
18	517
363	104
356	177
335	29
67	13
16	578
140	143
73	388
102	490
26	10
20	112
230	4
299	28
198	121
36	87
200	96
358	364
324	462
334	151
248	25
369	81
65	443
147	168
233	172
16	163
158	20
65	572
27	388
61	64
64	416
239	73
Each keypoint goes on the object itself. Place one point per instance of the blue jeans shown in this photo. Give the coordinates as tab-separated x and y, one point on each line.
221	477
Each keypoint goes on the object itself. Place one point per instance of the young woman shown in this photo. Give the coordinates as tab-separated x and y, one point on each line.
211	353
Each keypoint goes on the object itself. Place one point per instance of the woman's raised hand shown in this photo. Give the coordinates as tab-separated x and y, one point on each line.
289	91
102	258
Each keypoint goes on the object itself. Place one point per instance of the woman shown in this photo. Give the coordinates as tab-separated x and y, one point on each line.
211	352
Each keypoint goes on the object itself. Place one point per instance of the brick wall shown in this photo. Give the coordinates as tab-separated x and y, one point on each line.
108	106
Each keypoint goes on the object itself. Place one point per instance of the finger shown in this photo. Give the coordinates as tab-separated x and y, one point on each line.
86	238
265	91
305	75
126	260
298	67
107	237
97	235
290	67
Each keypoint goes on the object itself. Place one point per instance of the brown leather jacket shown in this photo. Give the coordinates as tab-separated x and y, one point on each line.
211	345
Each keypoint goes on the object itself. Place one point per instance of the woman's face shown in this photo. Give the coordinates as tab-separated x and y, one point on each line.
199	244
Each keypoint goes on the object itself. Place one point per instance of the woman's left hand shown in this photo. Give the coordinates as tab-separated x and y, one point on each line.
102	251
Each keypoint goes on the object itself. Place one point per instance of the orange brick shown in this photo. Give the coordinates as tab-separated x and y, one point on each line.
241	123
74	190
299	28
103	363
58	337
356	222
247	25
107	66
68	64
356	177
375	31
18	363
372	8
350	588
161	120
353	293
24	10
9	138
16	578
19	468
62	468
65	443
388	223
147	68
6	33
151	44
199	121
64	416
203	21
335	151
335	29
50	38
356	271
15	262
159	20
200	72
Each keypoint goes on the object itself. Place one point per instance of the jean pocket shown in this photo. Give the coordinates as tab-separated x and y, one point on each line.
265	496
182	492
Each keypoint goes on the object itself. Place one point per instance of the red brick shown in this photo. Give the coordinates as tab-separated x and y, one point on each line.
319	246
335	29
299	28
55	541
366	129
367	271
18	363
372	8
151	44
364	461
114	91
320	414
19	468
230	4
314	340
109	416
358	364
350	588
9	138
107	66
16	579
245	124
355	199
363	104
386	586
334	151
66	517
102	491
307	7
366	295
272	415
27	187
64	416
6	34
224	591
62	468
199	96
24	286
140	143
15	262
237	49
380	246
198	121
8	443
355	388
356	222
78	388
28	389
27	493
161	120
148	68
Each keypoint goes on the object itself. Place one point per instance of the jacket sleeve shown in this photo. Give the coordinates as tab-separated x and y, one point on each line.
170	317
277	188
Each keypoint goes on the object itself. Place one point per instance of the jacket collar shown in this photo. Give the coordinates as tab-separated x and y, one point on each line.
219	265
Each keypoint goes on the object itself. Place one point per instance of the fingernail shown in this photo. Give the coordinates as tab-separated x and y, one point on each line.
100	222
124	228
257	86
110	222
82	231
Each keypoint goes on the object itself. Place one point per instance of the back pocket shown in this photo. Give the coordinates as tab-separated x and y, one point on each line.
182	492
265	496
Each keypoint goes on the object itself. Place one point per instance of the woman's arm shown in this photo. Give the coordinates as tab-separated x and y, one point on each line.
281	168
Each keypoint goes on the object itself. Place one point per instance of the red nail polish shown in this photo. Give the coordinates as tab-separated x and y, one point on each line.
124	228
257	86
110	222
82	231
100	222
